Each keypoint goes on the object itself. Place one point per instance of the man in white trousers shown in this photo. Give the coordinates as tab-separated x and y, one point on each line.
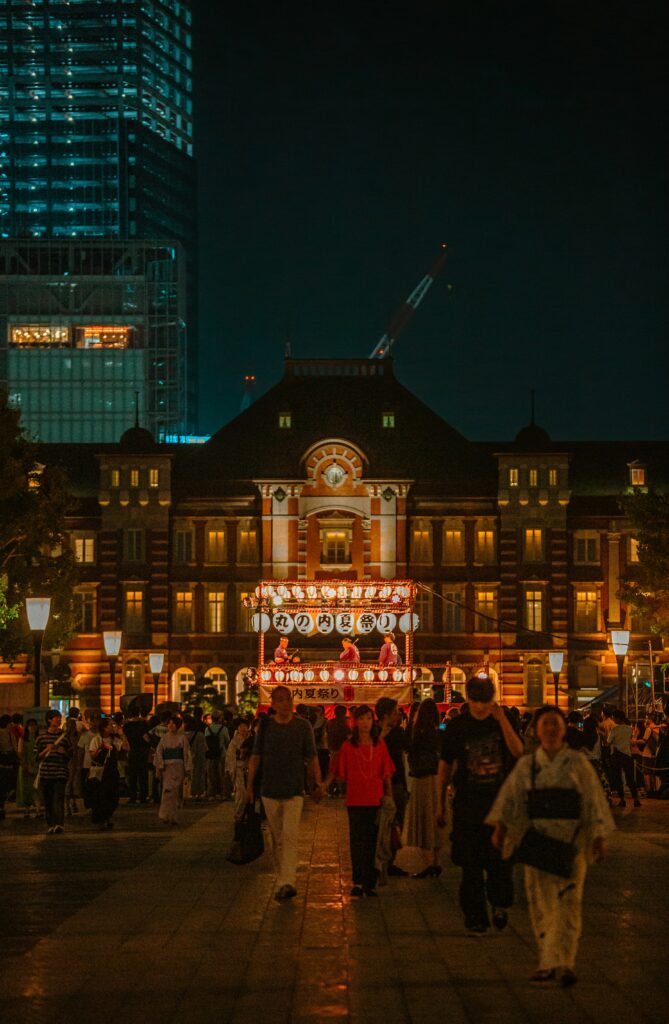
284	745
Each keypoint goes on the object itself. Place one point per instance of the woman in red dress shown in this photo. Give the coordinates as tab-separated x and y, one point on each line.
364	763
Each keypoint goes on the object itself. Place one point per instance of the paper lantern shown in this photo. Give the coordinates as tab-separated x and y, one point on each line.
260	622
309	675
324	674
304	623
283	622
339	675
353	674
279	675
345	623
325	622
383	675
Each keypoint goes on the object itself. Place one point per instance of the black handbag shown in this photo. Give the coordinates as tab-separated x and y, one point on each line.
537	850
554	856
248	843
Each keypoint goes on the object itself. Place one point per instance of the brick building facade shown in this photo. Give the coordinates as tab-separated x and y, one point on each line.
340	471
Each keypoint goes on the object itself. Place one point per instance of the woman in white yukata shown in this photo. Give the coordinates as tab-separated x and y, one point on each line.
172	763
554	903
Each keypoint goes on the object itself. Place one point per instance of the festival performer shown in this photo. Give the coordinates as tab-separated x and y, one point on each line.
281	655
389	655
350	652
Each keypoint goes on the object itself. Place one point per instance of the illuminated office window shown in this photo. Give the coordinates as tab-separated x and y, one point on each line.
421	542
534	610
216	611
586	610
534	544
183	611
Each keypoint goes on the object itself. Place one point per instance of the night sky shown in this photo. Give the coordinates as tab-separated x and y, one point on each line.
339	144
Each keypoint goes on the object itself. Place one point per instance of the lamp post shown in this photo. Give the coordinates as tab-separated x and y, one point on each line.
156	660
112	641
620	641
37	609
556	661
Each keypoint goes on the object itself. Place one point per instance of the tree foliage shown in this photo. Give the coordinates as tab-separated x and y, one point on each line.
645	584
35	555
203	694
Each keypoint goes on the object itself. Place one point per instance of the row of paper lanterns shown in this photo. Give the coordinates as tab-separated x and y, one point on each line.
328	592
344	623
339	675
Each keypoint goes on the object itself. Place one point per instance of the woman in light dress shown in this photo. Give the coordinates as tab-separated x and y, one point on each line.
172	764
555	903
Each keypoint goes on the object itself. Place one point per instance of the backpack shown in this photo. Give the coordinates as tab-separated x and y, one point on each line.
213	740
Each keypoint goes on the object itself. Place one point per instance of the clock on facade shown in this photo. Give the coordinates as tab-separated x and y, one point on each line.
334	475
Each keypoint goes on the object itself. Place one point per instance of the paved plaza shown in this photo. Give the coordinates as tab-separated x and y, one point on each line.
147	925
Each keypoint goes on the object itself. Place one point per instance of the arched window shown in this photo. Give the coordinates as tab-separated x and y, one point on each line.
182	680
218	677
458	680
240	678
423	683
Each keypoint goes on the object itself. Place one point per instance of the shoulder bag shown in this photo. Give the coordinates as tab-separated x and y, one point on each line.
248	843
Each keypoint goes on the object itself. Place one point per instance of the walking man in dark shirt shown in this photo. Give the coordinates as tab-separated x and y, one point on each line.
284	744
478	752
135	730
395	739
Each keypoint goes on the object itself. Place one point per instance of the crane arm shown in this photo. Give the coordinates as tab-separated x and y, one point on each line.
404	314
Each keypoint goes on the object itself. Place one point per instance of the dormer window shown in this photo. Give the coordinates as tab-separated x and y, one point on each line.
285	421
388	420
637	474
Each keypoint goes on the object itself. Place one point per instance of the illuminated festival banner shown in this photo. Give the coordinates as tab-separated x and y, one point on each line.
331	693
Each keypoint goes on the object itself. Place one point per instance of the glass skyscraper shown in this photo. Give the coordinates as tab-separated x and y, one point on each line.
91	328
96	133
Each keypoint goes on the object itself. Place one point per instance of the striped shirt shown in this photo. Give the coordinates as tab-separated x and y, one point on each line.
55	765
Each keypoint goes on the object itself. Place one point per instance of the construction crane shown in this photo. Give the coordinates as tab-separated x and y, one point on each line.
406	311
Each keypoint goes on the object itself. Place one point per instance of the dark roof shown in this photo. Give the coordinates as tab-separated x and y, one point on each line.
137	441
532	438
346	399
602	467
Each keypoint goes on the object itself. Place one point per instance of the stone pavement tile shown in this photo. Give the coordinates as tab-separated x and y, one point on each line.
400	958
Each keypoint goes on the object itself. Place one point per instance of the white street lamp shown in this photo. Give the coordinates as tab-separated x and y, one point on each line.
620	641
37	610
112	641
556	661
156	660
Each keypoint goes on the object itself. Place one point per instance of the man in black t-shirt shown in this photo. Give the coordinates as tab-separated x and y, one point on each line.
135	730
478	752
396	741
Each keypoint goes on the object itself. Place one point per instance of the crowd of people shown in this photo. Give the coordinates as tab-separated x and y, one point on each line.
492	785
88	762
